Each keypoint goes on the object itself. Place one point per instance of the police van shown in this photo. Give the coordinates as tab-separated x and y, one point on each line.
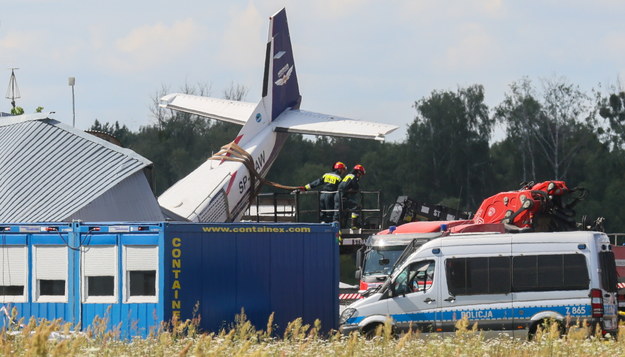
504	282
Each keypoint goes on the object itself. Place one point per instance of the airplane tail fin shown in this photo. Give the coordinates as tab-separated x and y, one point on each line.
280	87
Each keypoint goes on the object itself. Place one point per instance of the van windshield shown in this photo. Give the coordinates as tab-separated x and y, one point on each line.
376	260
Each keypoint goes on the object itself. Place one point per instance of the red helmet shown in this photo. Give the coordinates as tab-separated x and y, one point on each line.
360	169
339	166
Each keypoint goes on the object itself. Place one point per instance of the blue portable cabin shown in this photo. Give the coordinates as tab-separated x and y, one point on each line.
137	275
30	287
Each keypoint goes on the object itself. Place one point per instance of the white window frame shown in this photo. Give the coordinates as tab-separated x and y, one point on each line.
57	266
10	255
139	258
91	258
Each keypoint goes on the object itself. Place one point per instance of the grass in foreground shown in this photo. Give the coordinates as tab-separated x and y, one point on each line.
52	338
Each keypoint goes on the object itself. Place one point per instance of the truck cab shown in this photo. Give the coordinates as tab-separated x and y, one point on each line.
375	260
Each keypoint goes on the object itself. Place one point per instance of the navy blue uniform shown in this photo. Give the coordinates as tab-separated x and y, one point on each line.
348	189
328	182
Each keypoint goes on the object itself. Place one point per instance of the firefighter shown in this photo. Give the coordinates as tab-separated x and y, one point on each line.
329	183
347	191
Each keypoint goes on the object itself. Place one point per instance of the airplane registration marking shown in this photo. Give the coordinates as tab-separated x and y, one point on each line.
243	184
258	165
260	161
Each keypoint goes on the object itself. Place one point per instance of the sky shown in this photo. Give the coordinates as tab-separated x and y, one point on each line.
362	59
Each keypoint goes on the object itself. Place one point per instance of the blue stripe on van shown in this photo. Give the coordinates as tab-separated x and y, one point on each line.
578	310
521	312
476	314
355	320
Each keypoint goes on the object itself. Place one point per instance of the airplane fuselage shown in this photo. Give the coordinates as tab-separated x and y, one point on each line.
220	190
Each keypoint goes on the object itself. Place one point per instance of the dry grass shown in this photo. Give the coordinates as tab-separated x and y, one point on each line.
181	338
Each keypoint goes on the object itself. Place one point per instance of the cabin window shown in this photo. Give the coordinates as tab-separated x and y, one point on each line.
50	275
14	263
142	282
141	273
99	267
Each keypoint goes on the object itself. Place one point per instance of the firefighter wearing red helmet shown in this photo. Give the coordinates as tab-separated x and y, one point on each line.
328	184
348	189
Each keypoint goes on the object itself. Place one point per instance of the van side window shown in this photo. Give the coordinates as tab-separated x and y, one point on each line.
549	272
474	276
416	277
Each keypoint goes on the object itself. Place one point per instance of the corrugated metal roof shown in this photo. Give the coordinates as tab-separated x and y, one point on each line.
49	170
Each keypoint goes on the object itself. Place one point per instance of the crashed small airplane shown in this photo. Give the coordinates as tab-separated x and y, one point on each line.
220	189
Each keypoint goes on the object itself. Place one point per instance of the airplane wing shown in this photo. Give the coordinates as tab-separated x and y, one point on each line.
221	109
303	122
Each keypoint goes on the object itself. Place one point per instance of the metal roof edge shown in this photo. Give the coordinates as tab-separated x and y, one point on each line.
15	119
108	145
46	118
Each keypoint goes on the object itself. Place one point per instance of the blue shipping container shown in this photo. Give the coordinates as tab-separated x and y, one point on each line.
137	276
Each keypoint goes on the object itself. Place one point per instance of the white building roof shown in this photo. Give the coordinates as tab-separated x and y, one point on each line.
52	172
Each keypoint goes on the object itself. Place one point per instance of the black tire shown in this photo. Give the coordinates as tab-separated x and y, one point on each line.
544	324
370	330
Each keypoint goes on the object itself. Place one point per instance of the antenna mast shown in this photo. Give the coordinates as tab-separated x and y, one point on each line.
13	92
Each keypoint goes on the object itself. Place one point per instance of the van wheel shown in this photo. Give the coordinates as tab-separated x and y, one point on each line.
545	325
370	331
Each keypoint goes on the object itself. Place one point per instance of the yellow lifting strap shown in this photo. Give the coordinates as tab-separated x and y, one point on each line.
233	152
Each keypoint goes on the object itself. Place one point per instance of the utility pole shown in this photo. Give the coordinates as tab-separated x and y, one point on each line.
71	81
13	92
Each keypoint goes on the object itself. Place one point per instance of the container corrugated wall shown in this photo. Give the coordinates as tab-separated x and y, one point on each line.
216	270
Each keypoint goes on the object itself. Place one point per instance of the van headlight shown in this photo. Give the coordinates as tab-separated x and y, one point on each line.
347	314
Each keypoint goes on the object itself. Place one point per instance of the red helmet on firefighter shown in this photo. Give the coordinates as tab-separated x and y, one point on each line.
339	166
360	168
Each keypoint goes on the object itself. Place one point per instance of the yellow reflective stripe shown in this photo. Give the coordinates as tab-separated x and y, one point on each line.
331	178
307	187
348	177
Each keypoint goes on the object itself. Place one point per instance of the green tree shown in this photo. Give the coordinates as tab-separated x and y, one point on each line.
117	131
565	111
547	127
612	109
447	147
519	112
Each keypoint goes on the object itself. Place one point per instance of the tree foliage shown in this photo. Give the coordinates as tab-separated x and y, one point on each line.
448	146
612	109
